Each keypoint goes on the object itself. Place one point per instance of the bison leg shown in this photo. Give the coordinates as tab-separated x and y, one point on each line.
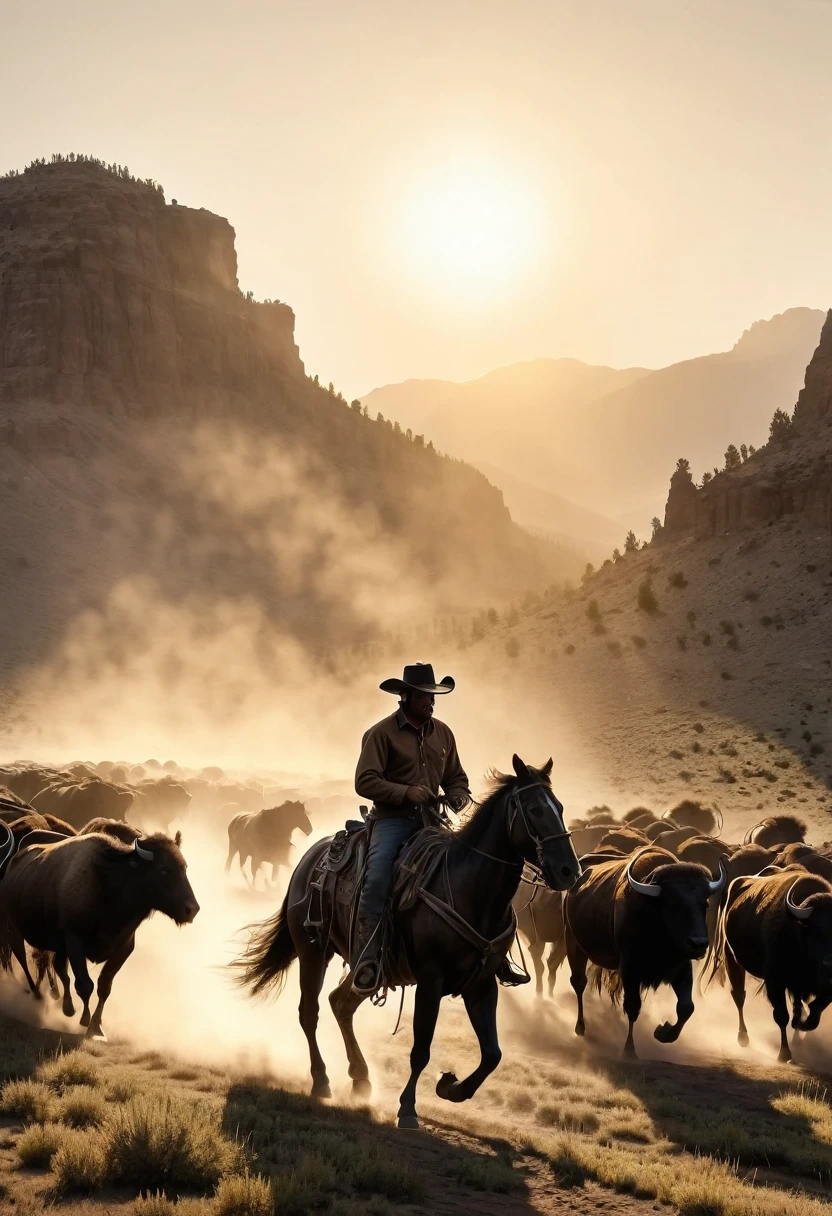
481	1006
736	978
425	1013
67	1008
632	1008
556	956
780	1013
344	1002
18	948
682	984
109	971
536	948
83	984
577	966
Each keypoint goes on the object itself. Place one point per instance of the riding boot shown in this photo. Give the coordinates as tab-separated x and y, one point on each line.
510	975
366	956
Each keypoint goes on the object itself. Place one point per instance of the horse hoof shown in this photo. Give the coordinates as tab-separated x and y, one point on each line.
580	1029
85	1018
321	1089
408	1123
97	1033
742	1038
629	1052
665	1033
445	1084
362	1089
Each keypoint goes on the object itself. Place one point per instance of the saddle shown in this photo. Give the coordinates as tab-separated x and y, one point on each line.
338	879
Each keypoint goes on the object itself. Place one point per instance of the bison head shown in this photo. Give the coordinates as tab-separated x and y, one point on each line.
163	875
814	916
679	892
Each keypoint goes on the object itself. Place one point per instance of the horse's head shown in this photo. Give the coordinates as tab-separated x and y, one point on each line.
537	827
298	818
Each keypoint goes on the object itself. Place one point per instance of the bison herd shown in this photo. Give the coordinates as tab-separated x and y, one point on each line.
87	853
658	894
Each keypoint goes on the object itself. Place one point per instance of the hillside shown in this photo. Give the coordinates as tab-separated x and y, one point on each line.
699	666
162	450
604	439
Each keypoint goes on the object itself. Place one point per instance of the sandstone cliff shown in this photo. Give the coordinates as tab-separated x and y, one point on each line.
157	424
790	476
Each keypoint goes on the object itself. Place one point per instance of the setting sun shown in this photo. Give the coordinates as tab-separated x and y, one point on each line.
473	229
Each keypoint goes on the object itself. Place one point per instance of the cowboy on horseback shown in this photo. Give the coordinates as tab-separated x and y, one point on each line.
405	760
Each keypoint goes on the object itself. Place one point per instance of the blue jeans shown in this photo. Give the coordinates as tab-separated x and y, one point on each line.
386	839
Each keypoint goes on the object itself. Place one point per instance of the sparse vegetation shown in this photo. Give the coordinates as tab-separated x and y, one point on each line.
157	1141
37	1145
677	579
646	597
30	1101
638	641
682	642
79	1164
512	648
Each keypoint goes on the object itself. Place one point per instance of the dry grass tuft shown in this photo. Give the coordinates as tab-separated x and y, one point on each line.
157	1141
30	1101
244	1195
82	1107
69	1070
79	1165
37	1145
482	1173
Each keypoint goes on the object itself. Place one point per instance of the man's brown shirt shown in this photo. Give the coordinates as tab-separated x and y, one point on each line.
395	755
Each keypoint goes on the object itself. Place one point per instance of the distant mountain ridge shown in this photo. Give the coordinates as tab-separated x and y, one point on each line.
604	439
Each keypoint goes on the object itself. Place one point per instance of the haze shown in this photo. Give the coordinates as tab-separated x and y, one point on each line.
668	160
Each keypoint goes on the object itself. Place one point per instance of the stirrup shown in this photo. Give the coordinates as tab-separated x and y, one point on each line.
510	975
367	989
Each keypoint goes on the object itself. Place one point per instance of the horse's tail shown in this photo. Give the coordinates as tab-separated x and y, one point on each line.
268	956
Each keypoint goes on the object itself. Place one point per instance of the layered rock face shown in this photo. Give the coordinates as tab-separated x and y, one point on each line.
111	298
157	425
791	476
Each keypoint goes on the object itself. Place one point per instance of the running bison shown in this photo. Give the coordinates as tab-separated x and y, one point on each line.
82	899
264	837
777	926
643	918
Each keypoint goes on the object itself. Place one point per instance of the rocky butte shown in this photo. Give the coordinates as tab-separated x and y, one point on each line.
790	476
123	331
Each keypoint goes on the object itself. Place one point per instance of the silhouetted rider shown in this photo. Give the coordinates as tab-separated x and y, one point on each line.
405	760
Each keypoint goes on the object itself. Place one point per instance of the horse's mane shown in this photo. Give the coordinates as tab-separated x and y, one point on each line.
478	818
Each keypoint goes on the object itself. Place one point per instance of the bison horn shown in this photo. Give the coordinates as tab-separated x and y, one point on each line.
718	883
795	909
643	888
668	818
145	854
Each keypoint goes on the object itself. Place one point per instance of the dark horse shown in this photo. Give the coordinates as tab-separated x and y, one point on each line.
520	821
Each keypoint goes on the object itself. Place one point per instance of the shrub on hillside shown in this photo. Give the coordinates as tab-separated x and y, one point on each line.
677	579
593	611
646	597
512	648
638	641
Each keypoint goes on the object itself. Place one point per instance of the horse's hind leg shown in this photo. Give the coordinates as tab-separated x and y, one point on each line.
344	1002
577	966
481	1006
313	965
425	1013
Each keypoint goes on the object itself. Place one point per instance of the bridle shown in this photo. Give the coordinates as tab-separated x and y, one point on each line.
515	808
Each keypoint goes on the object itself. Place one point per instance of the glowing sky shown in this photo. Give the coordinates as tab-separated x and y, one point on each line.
443	187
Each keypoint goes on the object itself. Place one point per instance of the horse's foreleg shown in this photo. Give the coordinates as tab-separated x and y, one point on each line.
18	947
313	964
344	1002
556	956
536	948
425	1013
481	1006
60	964
577	966
232	852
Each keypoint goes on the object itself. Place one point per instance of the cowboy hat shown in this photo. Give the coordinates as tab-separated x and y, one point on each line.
418	677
